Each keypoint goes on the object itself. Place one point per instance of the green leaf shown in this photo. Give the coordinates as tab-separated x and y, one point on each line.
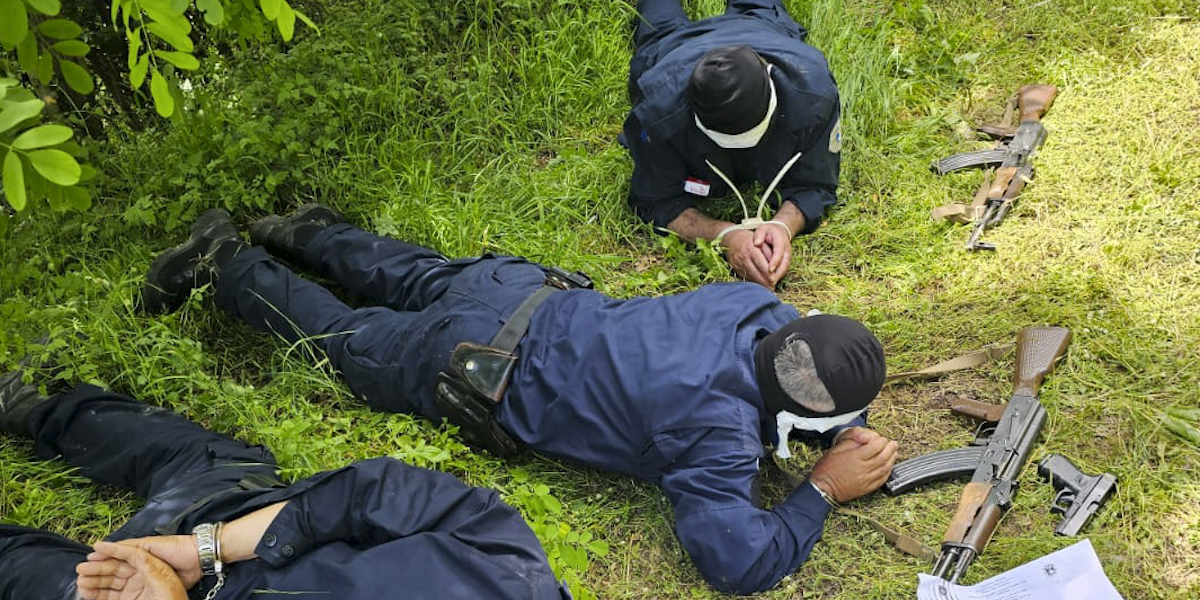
18	112
27	54
115	11
63	29
178	6
46	7
165	15
1190	414
54	197
1180	428
15	24
214	13
175	37
137	75
183	60
598	547
163	102
270	8
42	136
286	22
307	21
135	44
71	48
45	68
14	181
56	166
77	77
78	198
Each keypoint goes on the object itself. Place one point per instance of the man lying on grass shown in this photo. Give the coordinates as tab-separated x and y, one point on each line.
726	101
681	390
375	530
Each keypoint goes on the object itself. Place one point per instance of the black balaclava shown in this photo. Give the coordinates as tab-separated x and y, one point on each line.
846	373
730	89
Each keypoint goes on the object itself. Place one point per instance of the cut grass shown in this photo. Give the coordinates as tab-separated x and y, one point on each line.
492	128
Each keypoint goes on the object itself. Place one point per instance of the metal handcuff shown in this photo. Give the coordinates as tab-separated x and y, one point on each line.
208	547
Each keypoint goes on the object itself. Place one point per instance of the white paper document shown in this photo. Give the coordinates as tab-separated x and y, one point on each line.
1073	573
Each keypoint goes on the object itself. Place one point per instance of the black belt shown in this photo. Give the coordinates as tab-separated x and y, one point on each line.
471	388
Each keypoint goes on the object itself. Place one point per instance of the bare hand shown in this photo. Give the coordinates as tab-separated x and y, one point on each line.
858	465
747	258
178	551
120	572
775	244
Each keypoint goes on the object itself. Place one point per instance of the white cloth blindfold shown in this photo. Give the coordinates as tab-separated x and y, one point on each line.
748	139
786	422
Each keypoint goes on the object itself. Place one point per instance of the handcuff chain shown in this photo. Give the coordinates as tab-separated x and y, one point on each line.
212	594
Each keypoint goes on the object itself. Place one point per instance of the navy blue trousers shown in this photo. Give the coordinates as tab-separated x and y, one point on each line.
660	17
421	305
187	475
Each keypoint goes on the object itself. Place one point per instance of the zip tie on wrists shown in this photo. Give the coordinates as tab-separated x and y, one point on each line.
751	224
783	225
721	235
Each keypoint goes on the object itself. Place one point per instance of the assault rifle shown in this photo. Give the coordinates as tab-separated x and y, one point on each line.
1010	158
1002	446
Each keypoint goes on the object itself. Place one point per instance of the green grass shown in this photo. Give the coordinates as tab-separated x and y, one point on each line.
490	125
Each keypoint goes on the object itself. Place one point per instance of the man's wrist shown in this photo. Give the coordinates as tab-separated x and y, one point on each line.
207	537
790	214
826	496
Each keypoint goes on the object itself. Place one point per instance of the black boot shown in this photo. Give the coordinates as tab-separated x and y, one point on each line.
286	237
194	263
17	400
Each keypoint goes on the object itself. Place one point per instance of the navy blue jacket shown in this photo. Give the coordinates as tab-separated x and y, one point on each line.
384	529
668	148
664	389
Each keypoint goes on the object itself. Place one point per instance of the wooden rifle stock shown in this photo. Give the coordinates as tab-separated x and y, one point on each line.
1038	349
1034	100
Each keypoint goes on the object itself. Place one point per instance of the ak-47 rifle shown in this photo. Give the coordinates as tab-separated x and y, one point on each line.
1003	443
1011	160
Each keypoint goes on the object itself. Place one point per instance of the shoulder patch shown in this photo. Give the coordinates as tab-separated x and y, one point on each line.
835	137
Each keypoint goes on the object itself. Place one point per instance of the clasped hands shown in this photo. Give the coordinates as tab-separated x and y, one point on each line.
150	568
760	255
858	464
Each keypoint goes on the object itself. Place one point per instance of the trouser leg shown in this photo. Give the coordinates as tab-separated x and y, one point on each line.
383	270
182	470
37	565
377	350
657	17
770	10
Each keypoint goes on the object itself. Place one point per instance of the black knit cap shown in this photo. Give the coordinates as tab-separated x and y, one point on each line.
730	89
848	359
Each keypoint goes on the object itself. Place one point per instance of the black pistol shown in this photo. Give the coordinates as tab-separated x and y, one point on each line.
1079	495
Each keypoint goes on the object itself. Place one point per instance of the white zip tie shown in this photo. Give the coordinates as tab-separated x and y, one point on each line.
754	222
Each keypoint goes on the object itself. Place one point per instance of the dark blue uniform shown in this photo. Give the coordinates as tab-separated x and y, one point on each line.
667	147
377	529
660	388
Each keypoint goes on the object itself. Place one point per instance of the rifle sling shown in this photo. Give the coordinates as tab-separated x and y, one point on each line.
895	537
969	360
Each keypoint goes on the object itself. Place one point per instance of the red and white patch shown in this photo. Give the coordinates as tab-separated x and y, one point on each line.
699	187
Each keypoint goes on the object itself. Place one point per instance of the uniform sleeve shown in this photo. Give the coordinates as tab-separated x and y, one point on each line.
738	547
812	182
656	192
375	501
